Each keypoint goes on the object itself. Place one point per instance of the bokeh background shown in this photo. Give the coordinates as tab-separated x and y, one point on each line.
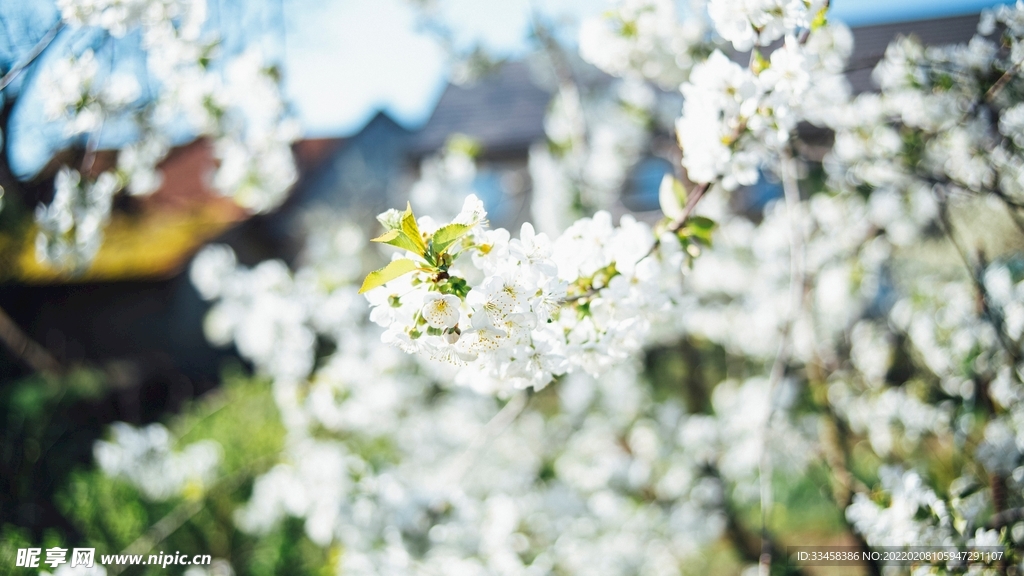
378	90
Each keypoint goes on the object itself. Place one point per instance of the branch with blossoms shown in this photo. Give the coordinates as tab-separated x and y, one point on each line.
510	308
34	53
734	121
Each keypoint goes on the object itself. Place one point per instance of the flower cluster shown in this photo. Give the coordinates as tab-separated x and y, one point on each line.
750	23
74	90
915	516
521	311
271	316
118	17
735	118
646	39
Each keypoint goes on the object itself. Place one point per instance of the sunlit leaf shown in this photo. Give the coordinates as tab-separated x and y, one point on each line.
388	273
398	239
700	229
412	230
448	235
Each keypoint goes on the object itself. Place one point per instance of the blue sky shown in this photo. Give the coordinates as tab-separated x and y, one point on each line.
349	58
346	59
857	12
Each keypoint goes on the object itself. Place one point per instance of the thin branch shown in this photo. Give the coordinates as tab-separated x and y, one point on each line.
494	427
91	146
796	295
182	513
32	55
555	56
675	226
1001	83
568	91
691	204
1005	518
838	458
26	349
745	542
158	532
807	33
979	284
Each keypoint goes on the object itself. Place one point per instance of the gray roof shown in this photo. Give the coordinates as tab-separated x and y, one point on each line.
869	42
504	111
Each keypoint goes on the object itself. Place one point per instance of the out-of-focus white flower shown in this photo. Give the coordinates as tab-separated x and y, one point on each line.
645	39
71	227
144	457
749	23
914	516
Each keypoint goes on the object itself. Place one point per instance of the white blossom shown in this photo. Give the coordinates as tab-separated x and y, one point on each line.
145	458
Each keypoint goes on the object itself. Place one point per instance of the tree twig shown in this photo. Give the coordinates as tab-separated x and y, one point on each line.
691	204
979	284
745	542
181	513
32	55
494	427
1001	83
796	294
1005	518
838	458
34	355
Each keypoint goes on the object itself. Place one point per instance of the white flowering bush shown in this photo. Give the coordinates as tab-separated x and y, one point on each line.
680	393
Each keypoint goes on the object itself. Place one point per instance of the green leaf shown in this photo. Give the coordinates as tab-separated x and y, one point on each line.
387	237
701	223
388	273
672	197
700	228
447	235
412	230
398	239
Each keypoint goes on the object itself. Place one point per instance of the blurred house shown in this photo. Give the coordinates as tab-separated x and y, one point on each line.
504	113
870	42
374	169
137	313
